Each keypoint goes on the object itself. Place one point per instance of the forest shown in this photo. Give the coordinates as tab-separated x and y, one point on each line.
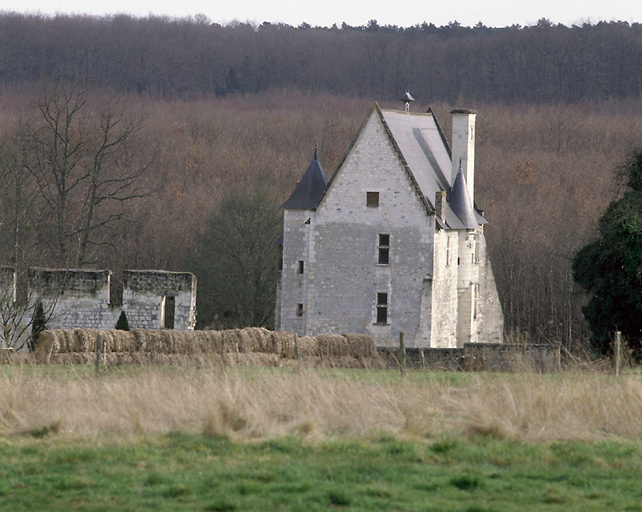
120	137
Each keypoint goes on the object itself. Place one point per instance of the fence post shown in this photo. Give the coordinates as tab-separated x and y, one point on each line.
296	350
278	352
618	352
402	353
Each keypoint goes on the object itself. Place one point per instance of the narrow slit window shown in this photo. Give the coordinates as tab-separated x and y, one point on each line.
384	250
382	308
447	251
301	266
299	310
372	199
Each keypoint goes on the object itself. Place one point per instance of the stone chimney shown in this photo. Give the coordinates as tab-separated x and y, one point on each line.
440	204
463	148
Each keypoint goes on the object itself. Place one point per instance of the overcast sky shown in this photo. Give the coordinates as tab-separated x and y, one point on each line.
494	13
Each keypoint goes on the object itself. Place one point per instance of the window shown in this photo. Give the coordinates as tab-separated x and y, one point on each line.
299	310
447	251
280	257
372	199
301	266
382	308
475	300
384	250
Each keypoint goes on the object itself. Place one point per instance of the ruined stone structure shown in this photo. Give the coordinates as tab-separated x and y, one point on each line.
393	242
152	299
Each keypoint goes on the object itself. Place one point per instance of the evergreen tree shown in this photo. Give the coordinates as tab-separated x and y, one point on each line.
122	324
38	325
610	268
237	264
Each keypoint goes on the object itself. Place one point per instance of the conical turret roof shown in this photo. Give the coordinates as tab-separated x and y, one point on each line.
460	202
310	188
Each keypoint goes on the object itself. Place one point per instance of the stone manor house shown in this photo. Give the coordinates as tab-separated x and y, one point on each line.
394	241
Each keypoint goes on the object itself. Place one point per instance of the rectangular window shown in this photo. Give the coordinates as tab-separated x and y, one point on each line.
372	199
384	250
382	308
301	266
299	310
280	257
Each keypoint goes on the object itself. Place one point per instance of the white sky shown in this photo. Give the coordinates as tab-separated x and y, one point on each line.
494	13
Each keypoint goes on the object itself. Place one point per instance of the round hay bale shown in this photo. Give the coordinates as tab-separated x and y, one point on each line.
332	345
361	345
84	340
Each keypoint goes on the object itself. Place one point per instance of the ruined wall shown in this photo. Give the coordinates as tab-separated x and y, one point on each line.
155	299
80	298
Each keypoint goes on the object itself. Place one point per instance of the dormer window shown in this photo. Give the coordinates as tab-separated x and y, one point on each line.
372	199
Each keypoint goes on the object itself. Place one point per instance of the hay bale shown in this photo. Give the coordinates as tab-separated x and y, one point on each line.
361	345
332	345
84	340
308	346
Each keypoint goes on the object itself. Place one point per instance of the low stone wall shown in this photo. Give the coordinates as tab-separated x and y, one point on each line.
490	357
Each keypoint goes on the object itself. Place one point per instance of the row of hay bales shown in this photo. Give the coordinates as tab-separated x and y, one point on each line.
250	346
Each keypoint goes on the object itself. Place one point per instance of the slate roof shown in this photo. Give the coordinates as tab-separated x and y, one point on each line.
460	203
310	188
426	155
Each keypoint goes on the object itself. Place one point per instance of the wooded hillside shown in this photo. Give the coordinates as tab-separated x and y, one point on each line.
210	108
161	56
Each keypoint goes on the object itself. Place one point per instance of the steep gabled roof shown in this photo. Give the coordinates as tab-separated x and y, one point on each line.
310	188
425	155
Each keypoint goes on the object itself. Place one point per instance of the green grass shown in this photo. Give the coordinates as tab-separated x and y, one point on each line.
190	472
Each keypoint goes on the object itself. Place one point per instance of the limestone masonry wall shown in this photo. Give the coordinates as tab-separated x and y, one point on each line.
80	298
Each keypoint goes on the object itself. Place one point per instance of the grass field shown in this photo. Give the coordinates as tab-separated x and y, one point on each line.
204	439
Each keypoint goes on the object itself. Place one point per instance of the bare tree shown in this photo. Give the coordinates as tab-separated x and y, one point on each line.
83	159
18	312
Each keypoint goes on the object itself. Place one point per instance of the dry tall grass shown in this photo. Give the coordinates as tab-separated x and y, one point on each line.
265	403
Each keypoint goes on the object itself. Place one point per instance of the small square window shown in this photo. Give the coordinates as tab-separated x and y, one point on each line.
372	199
299	310
301	266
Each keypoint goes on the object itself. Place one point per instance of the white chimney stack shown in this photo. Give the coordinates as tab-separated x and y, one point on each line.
463	147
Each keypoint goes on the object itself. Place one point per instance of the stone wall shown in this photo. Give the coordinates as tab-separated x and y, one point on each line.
152	297
80	298
490	357
345	276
